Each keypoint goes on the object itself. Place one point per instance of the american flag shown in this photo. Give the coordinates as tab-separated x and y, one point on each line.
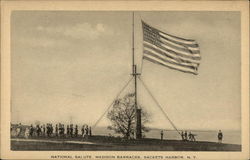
170	51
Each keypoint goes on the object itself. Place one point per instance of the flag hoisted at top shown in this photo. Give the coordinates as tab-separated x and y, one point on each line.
170	51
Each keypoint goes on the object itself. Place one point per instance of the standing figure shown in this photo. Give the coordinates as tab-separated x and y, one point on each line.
18	131
90	132
31	130
63	130
26	133
56	130
68	131
38	130
44	130
182	135
86	130
76	131
186	136
51	127
71	130
190	136
82	130
48	130
162	135
220	136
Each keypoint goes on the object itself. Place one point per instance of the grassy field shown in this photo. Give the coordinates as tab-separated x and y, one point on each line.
104	143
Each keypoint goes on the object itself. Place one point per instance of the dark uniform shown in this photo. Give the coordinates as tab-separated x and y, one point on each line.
161	135
76	131
220	136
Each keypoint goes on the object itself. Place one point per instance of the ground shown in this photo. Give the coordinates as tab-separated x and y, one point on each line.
104	143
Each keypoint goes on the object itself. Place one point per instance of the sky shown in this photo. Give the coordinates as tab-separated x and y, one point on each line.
68	66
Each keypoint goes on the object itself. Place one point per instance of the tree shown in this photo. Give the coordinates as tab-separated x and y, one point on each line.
123	116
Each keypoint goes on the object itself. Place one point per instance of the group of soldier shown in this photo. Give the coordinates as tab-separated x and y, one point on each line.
184	135
187	136
59	130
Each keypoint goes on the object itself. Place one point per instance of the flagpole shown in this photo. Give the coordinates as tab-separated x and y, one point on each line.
133	47
135	74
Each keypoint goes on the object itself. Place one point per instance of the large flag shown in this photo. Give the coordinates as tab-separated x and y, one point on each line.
170	51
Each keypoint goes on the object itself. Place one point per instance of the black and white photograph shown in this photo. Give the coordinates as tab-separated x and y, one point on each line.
126	80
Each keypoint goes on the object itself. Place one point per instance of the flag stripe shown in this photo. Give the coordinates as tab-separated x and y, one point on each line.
180	46
151	59
170	54
164	59
171	51
172	38
184	51
169	57
193	47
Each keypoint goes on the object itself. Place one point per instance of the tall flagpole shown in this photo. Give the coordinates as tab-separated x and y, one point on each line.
135	74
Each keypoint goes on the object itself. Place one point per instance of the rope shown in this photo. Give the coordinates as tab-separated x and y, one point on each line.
158	105
118	94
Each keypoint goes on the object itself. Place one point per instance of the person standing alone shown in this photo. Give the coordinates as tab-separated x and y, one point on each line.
220	136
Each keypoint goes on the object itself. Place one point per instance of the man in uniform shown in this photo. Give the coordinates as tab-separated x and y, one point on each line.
76	131
31	130
71	130
90	132
186	136
82	130
220	136
161	134
56	130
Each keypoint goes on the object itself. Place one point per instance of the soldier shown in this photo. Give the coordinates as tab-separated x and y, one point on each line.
68	131
162	135
87	130
60	129
220	136
82	130
31	130
26	133
186	136
71	130
48	130
76	131
44	130
56	130
63	129
190	136
20	130
38	130
90	132
52	129
182	135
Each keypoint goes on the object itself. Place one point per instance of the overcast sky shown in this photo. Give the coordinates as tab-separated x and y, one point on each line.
70	65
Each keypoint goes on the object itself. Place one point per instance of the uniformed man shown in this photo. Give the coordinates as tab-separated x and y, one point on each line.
38	130
182	135
161	134
31	130
186	136
220	136
87	130
71	130
90	132
63	130
82	130
76	131
68	131
56	130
